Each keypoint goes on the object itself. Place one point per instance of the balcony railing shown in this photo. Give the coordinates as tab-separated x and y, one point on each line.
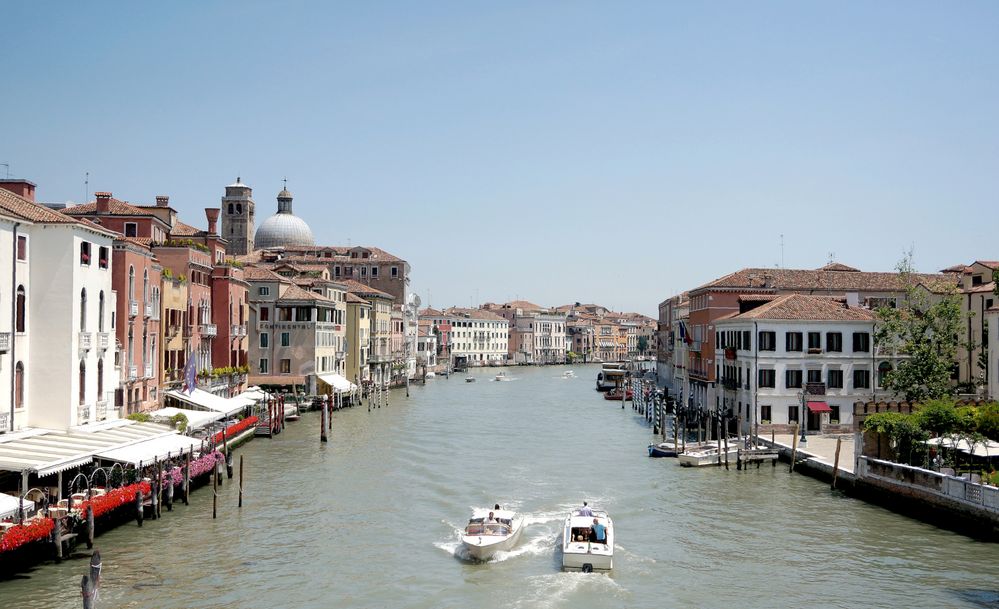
133	372
4	421
237	331
209	330
103	340
86	341
147	371
102	410
4	342
133	308
730	384
82	413
148	310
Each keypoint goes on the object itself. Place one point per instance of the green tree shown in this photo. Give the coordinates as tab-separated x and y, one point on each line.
643	344
938	416
924	330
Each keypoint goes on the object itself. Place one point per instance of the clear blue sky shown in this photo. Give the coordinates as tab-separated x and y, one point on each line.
559	151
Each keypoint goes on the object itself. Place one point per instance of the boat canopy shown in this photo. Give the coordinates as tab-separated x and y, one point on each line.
152	450
8	506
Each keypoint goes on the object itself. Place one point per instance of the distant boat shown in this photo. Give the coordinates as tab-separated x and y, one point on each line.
469	379
615	394
568	374
706	457
429	375
501	377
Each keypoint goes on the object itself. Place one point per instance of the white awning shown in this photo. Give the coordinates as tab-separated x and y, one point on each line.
255	394
988	448
338	382
203	400
152	450
8	506
46	452
196	419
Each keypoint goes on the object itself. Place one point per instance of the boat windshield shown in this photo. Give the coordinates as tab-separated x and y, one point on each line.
478	528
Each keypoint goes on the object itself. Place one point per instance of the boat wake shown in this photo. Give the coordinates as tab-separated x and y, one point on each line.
540	544
562	589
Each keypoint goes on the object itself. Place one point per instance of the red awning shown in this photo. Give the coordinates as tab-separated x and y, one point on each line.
819	407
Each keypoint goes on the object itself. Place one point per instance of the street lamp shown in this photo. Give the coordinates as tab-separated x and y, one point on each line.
803	419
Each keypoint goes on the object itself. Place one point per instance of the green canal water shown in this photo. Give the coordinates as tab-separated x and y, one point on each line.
371	519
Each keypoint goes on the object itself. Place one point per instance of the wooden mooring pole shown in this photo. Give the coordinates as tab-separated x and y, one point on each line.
725	433
215	493
794	447
240	481
839	441
187	478
322	422
90	526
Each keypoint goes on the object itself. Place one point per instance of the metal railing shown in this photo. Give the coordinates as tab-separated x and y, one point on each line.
86	341
209	330
237	330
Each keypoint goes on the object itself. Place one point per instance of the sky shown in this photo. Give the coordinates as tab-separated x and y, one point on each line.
614	152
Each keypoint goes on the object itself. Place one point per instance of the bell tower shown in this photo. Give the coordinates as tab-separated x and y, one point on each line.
237	218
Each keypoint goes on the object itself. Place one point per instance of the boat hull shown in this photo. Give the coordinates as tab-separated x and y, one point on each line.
583	555
705	458
482	547
583	560
662	450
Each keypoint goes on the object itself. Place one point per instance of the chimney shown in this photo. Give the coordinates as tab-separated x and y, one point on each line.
22	188
162	201
103	202
852	300
212	213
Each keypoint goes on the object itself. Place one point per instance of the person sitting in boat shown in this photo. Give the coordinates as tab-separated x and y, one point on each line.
491	519
599	532
585	510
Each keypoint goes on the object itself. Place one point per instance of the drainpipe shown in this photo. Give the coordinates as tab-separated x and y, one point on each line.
13	324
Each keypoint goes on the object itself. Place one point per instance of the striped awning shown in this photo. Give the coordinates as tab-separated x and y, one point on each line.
45	451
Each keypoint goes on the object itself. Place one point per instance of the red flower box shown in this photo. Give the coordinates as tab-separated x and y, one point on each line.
114	499
235	429
32	530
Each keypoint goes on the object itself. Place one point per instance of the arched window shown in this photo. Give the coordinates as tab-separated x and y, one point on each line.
239	208
19	385
83	310
19	322
100	312
145	286
230	208
83	382
131	283
131	344
100	379
883	369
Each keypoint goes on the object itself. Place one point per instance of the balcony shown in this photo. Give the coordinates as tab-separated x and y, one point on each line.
102	410
4	342
133	308
103	340
730	384
133	372
209	330
147	371
148	310
86	341
237	331
82	413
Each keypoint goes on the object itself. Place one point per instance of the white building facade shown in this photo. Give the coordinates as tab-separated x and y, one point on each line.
798	360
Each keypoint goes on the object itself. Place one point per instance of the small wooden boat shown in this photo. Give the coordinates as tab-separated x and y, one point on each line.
615	394
663	449
580	552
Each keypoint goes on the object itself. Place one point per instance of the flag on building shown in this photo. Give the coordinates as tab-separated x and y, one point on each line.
190	374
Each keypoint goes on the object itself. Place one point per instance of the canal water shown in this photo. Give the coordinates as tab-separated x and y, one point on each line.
372	518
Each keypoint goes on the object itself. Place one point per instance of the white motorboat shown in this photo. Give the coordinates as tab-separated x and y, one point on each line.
501	377
429	375
484	537
469	379
580	551
706	456
569	374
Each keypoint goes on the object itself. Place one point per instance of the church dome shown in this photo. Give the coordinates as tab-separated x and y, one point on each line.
283	228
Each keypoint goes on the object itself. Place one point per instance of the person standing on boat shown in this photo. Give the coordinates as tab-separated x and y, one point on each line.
599	532
585	510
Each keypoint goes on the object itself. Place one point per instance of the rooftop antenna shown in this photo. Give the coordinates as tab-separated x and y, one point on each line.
285	180
782	250
86	187
832	257
7	165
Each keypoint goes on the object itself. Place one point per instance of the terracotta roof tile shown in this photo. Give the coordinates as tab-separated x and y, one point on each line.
256	273
293	292
359	288
27	210
185	230
472	314
767	279
351	297
807	308
116	207
836	266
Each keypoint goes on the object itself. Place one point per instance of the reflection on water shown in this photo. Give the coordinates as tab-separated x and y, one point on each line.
372	519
